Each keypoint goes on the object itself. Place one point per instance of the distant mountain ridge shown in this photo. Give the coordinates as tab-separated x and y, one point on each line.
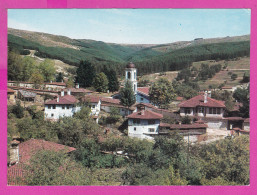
167	56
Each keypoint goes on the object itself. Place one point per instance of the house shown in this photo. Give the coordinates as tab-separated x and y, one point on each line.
20	84
143	95
10	95
25	95
211	111
164	112
143	124
95	105
55	85
246	124
21	153
64	105
108	103
78	92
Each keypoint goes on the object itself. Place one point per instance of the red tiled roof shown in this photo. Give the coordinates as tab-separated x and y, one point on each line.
184	126
110	100
27	149
10	90
199	101
67	99
146	114
144	90
56	83
91	98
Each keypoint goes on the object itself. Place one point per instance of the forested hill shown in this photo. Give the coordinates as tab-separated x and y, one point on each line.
149	58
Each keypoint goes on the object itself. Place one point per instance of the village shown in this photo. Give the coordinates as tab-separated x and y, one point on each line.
144	119
132	100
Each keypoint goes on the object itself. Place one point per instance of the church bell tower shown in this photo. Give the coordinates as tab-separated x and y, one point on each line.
131	75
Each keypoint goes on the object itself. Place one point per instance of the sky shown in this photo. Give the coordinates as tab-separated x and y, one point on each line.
134	26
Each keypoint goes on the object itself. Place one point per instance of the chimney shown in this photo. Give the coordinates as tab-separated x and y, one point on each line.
62	81
51	81
142	112
62	93
68	92
14	152
205	97
58	99
77	86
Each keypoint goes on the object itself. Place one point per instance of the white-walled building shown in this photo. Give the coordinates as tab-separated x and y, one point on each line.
131	75
209	110
143	124
64	105
95	105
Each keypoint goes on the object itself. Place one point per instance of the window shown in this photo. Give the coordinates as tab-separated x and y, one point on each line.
63	107
52	115
54	106
142	99
218	110
135	128
93	106
128	75
136	121
151	122
68	107
187	111
200	110
134	87
49	106
151	130
214	110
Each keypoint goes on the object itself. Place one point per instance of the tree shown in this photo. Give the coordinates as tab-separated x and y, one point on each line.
186	120
15	66
59	77
55	168
242	95
18	110
233	76
70	82
113	84
85	74
100	82
161	92
47	69
29	67
37	79
127	95
246	77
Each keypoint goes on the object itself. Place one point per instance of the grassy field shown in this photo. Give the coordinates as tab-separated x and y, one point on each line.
170	75
239	67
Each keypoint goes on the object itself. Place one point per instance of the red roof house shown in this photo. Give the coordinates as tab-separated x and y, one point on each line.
67	99
202	106
145	114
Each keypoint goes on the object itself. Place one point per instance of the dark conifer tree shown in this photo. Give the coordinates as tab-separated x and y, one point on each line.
85	74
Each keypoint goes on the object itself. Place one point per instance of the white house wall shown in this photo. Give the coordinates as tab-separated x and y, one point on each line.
59	112
142	129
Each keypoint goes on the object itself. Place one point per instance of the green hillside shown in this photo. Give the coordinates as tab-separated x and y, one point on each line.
148	58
